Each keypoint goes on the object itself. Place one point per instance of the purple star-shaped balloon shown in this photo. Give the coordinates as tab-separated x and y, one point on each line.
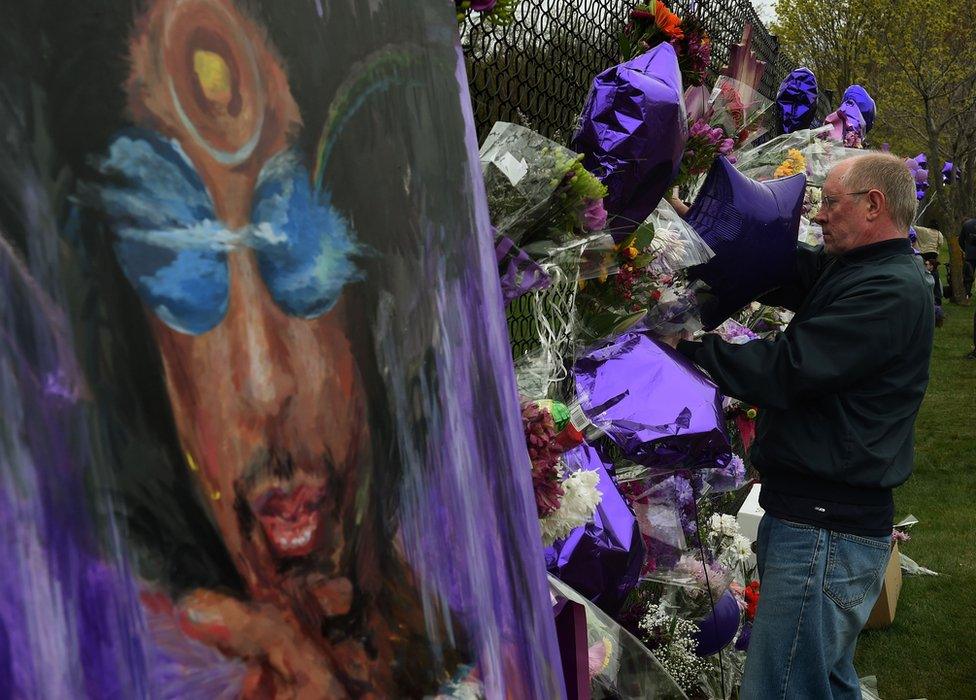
752	227
632	133
796	100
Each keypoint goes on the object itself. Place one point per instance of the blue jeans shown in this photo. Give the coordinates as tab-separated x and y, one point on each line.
817	591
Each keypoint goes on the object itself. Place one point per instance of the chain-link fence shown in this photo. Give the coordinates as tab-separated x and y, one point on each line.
537	70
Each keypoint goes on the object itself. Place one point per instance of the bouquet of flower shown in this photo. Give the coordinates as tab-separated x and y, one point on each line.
563	501
732	117
537	189
650	285
495	11
672	639
818	155
653	23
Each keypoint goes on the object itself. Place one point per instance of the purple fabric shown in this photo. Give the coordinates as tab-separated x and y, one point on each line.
865	104
469	523
70	621
602	559
653	403
632	134
519	273
796	100
752	227
717	629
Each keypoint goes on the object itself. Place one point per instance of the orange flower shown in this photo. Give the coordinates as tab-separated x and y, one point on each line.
667	21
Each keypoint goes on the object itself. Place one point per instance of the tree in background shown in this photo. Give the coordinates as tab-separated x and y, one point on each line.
827	37
918	60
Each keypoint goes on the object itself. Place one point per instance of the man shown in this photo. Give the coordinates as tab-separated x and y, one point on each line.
931	262
839	389
930	239
967	241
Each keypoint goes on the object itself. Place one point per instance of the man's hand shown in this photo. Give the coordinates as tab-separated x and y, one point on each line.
283	660
676	338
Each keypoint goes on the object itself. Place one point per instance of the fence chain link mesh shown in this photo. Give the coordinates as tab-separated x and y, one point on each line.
537	72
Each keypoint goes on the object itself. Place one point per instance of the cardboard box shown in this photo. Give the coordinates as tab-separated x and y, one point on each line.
750	514
883	613
748	518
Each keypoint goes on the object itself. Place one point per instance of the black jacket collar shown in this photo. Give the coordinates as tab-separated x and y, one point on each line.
876	251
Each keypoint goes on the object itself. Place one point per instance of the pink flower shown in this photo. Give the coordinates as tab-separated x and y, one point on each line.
699	128
726	146
595	216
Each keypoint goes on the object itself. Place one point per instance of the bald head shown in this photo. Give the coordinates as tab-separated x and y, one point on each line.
866	199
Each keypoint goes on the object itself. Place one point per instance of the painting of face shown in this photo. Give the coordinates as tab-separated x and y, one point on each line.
252	234
241	269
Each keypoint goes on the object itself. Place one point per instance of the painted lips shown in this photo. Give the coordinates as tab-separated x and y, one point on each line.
291	519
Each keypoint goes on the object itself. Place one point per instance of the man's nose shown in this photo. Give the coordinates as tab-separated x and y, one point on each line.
262	363
820	217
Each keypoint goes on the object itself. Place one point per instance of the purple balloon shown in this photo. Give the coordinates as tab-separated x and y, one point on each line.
752	227
656	406
916	166
518	272
796	100
948	170
602	559
717	629
865	104
742	643
632	133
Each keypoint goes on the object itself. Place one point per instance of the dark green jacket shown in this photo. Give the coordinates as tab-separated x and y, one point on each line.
841	387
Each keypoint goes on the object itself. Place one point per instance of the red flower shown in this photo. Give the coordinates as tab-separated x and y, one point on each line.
751	594
540	434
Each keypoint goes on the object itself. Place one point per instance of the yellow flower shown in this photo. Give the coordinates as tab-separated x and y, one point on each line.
631	252
751	414
794	164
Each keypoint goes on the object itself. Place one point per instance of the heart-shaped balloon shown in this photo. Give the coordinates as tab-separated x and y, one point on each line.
602	559
752	227
632	133
717	629
656	406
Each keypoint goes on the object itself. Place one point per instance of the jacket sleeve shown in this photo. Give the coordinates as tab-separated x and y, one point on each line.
852	338
810	262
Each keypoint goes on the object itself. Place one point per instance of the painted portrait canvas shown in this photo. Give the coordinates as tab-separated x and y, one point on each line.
260	435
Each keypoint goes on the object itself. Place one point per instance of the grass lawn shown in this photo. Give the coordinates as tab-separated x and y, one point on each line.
930	650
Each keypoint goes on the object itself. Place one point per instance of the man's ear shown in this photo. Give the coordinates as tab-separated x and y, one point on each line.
877	203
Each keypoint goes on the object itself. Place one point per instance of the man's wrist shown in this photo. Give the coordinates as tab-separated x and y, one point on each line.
689	348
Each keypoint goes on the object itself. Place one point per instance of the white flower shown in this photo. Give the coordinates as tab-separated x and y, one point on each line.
742	546
579	502
677	652
724	525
